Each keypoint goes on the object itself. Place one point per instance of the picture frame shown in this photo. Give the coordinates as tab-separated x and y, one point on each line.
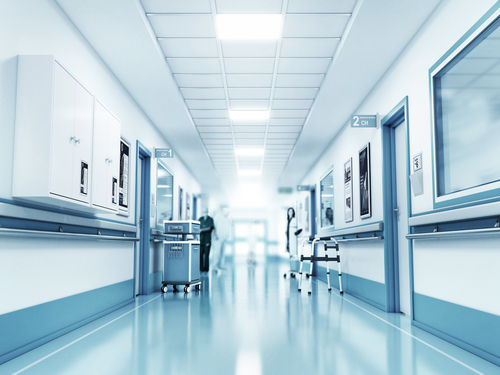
124	179
180	202
348	195
365	204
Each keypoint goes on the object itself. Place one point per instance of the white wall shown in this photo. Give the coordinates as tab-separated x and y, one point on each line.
438	271
40	27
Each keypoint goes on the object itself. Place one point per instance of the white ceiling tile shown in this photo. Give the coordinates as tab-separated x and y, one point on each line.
282	135
214	129
221	152
219	147
204	93
320	6
249	7
199	80
206	104
216	136
281	141
315	25
295	93
308	47
278	147
285	122
249	80
194	65
210	121
176	6
284	129
289	113
189	47
249	135
183	25
249	142
292	104
249	129
249	122
276	158
299	80
218	141
252	65
277	152
239	105
250	93
209	113
249	48
303	65
223	158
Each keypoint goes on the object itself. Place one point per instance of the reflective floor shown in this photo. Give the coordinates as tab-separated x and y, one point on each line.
249	320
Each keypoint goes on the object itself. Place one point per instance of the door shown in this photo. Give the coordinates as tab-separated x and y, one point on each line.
401	216
100	182
82	168
139	219
63	136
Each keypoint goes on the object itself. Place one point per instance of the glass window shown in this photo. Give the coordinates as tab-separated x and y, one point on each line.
164	194
327	200
467	115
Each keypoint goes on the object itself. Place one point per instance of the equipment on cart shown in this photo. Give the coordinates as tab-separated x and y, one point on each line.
325	241
181	261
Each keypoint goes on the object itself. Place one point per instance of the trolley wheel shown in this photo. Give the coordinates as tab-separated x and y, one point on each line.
164	289
175	289
292	275
307	275
187	289
329	289
309	292
197	287
300	290
284	275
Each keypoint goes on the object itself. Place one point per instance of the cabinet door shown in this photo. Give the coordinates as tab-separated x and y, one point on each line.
84	103
114	157
100	156
62	142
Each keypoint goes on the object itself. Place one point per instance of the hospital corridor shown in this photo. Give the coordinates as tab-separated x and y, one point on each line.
237	187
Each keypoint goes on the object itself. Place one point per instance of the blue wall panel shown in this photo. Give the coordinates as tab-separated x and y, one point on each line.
472	330
366	290
28	328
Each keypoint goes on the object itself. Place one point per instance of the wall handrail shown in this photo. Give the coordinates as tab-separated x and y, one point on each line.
360	239
68	235
453	233
356	230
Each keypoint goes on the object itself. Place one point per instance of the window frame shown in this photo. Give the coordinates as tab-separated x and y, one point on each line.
478	194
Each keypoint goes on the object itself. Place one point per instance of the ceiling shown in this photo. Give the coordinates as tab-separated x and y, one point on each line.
167	55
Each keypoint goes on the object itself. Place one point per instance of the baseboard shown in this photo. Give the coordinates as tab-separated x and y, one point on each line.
475	331
366	290
155	281
26	329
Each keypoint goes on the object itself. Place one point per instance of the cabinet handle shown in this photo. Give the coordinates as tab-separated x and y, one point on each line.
72	139
110	161
107	160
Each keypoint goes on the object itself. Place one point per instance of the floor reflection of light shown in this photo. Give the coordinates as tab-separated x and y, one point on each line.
248	363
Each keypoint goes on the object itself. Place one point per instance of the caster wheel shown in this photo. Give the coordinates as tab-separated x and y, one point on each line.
329	289
175	289
164	289
293	275
187	289
307	275
300	290
284	275
309	292
341	292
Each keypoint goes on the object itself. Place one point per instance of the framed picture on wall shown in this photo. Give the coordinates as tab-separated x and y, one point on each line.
306	214
180	203
348	211
188	206
123	192
365	204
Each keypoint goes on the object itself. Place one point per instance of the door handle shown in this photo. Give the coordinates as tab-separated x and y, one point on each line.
396	210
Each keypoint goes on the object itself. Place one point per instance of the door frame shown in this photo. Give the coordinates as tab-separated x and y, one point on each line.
391	259
143	156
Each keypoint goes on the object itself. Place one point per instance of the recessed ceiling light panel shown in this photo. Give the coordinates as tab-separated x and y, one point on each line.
247	151
249	172
249	115
249	26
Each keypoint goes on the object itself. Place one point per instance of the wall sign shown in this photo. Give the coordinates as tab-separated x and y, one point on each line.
163	153
363	121
303	187
348	212
285	190
365	204
417	162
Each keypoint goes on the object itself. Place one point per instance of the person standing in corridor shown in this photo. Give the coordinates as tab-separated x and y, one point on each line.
223	223
206	228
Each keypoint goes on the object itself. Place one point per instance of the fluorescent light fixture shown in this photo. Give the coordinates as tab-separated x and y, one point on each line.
249	151
249	26
167	195
249	115
163	186
249	172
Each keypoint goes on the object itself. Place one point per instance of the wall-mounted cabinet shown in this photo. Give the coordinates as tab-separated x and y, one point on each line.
106	159
54	151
